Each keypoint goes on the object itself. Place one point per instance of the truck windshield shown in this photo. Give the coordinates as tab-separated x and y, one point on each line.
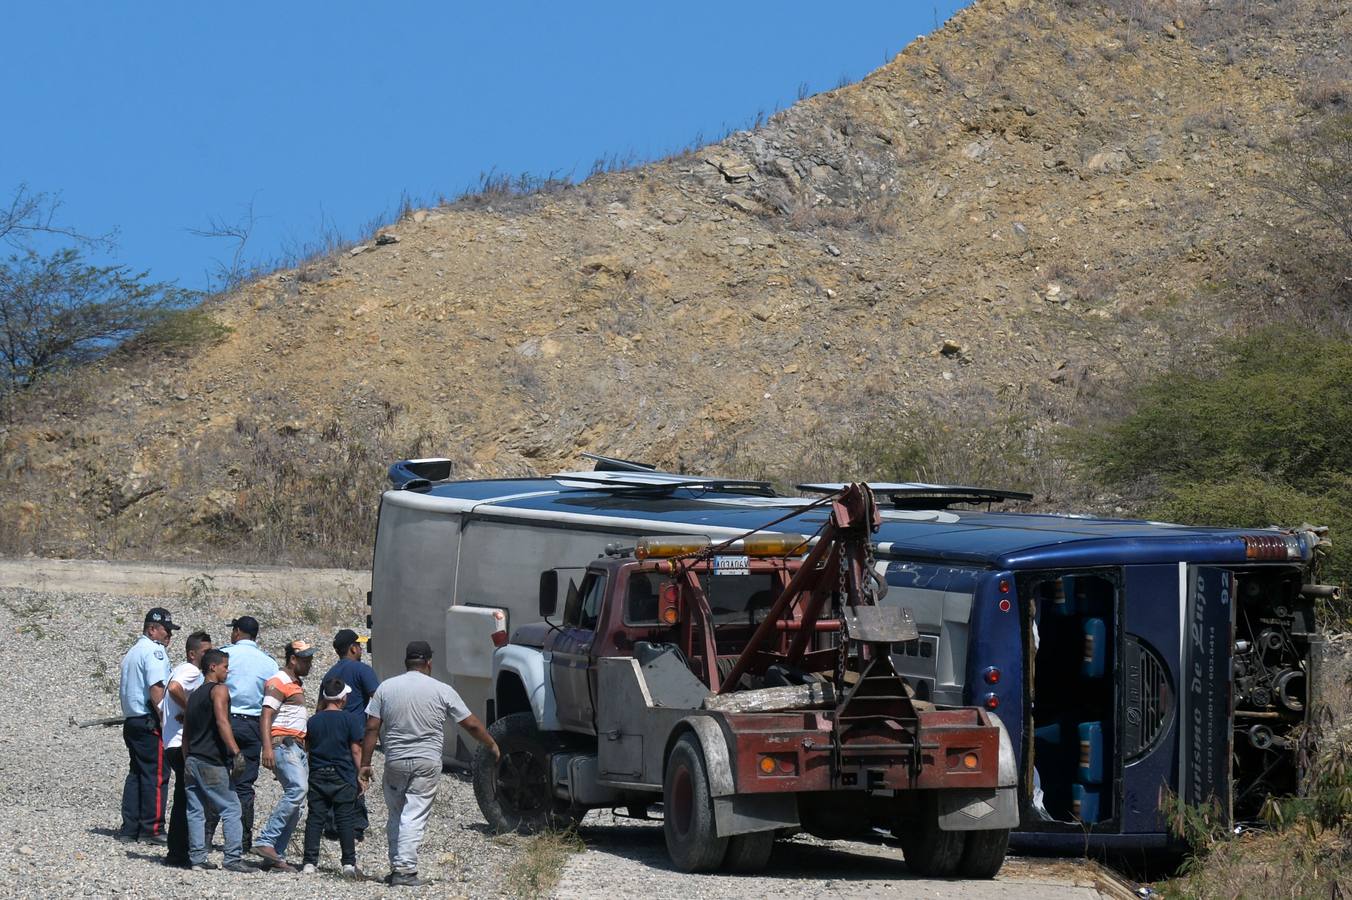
732	598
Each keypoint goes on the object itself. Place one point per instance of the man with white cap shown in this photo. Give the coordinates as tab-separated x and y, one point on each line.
283	730
335	751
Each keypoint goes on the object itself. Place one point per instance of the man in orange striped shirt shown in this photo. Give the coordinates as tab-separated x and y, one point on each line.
283	731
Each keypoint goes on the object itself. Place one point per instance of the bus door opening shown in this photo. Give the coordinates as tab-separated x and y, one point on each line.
1073	643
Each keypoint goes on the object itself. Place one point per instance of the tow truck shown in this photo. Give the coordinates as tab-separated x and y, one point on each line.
748	687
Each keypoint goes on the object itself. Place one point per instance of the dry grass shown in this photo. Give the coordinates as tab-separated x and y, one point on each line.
540	865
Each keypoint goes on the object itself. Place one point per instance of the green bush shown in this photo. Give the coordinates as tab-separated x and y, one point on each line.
1264	437
183	329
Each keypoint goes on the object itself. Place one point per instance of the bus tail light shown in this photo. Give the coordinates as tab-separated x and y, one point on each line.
991	702
1273	546
992	675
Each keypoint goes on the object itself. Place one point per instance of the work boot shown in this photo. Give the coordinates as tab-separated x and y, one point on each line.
205	867
162	839
271	858
406	879
238	866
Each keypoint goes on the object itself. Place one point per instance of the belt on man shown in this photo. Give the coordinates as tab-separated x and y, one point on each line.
242	716
289	740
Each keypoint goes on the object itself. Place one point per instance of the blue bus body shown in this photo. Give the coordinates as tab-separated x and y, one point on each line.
1129	660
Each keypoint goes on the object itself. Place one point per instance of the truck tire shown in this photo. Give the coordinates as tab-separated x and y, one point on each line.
516	794
749	852
929	851
983	853
688	810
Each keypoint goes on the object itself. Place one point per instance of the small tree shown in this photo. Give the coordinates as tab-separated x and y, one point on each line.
58	310
1315	177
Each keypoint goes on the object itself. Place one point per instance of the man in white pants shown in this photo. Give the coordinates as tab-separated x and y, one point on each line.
408	714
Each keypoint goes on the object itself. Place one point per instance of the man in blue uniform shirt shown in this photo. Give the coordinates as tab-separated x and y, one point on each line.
145	672
362	679
250	668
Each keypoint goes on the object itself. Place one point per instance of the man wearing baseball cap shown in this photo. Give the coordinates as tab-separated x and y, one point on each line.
362	679
408	715
283	731
145	672
250	668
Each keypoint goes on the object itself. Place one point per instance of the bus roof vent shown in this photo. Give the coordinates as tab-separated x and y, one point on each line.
652	482
917	495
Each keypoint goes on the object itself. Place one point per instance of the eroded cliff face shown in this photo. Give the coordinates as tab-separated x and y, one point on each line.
1038	198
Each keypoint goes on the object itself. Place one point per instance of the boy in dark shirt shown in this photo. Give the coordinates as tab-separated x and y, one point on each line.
362	679
334	740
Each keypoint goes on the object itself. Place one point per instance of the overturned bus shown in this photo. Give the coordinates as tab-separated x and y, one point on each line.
1127	660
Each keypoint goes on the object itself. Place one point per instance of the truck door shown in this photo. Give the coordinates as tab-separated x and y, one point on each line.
1205	703
570	659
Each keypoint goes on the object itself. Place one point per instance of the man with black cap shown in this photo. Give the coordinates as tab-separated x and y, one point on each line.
408	715
250	668
145	672
363	682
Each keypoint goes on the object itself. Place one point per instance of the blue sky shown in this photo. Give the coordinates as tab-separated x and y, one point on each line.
151	118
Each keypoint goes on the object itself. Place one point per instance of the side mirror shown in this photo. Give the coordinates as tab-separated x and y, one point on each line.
549	593
572	604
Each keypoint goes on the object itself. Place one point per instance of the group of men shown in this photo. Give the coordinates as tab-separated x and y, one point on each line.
219	715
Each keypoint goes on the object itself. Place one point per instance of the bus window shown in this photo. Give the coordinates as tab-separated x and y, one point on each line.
1073	711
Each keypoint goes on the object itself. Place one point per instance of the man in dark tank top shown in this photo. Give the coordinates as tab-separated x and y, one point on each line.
210	755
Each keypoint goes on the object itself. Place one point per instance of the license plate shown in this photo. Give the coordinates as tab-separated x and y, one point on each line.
732	565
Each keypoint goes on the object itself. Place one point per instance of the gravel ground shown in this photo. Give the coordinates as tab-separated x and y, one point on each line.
60	655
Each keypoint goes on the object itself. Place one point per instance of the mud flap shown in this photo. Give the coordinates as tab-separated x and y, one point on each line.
978	810
747	813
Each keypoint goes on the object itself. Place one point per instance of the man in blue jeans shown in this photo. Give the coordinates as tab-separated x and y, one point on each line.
284	732
210	758
250	668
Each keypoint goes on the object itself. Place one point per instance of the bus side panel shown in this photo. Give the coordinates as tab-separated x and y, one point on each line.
500	566
1150	620
412	582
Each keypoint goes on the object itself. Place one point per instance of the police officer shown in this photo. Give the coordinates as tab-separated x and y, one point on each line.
145	672
250	668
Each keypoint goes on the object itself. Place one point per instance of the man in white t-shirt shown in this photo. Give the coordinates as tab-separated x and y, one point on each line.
182	681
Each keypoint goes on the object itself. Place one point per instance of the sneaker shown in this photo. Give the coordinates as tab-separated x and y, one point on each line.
162	839
353	872
238	866
308	869
204	867
406	879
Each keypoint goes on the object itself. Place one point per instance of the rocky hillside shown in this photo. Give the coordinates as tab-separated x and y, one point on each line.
1040	198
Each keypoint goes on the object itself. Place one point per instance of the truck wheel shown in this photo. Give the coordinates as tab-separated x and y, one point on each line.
749	852
688	810
517	794
929	851
983	853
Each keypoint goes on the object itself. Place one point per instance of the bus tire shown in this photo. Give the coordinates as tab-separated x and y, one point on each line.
688	810
929	850
983	852
516	793
749	852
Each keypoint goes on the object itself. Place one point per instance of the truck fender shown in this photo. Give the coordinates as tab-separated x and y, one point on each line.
717	760
528	664
1008	775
